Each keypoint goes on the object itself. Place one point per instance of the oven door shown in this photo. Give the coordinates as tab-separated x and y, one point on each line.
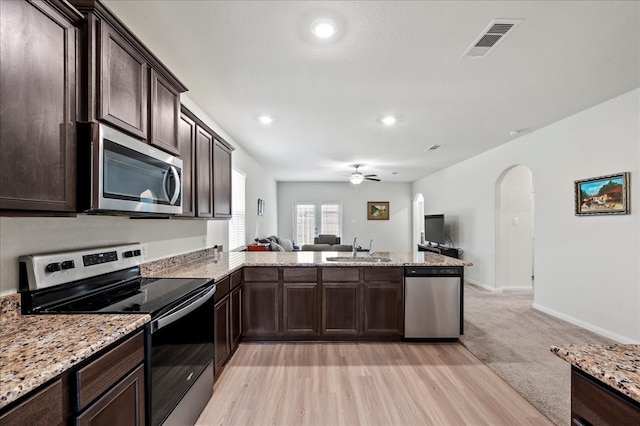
181	350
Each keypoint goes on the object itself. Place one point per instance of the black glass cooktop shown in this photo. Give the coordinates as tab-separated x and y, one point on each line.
141	295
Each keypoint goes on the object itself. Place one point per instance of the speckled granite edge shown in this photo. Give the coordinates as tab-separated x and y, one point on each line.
615	365
156	266
37	348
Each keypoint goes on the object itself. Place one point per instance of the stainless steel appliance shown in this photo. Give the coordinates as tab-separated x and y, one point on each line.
117	173
433	302
179	338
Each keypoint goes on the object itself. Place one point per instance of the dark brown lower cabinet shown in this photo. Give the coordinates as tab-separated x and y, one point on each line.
43	408
300	309
122	405
236	317
595	403
221	334
329	303
261	310
341	309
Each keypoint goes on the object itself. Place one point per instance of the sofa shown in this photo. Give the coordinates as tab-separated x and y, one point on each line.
326	247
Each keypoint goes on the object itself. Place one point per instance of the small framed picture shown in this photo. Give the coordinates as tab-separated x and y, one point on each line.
602	195
378	210
260	207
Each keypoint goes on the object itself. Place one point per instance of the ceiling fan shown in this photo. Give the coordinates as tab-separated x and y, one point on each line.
356	177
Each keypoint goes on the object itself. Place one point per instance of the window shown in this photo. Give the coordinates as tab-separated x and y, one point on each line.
312	219
237	225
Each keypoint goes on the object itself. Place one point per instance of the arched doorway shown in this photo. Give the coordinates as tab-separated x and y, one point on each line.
514	228
418	220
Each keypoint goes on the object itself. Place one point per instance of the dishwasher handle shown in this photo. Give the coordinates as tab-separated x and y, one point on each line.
432	271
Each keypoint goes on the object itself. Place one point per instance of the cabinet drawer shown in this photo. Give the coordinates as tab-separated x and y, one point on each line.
382	273
236	279
43	408
599	405
300	275
104	372
340	274
222	289
261	274
122	405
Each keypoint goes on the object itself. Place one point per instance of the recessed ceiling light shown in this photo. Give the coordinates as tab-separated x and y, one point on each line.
323	28
265	119
389	120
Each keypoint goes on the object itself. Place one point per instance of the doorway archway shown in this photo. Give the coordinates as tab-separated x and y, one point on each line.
514	228
418	220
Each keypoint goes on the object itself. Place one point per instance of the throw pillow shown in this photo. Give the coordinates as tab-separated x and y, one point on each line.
276	247
287	245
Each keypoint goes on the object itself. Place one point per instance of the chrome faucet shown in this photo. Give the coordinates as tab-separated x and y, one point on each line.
355	247
371	253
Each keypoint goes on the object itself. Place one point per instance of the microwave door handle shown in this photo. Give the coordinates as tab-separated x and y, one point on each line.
176	191
191	306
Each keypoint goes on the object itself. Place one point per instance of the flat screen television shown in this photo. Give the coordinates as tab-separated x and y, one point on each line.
434	228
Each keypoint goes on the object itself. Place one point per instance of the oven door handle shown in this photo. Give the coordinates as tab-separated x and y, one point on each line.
182	310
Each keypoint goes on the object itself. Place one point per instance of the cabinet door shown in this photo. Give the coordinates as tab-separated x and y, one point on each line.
187	148
221	180
260	312
300	309
222	334
42	409
341	309
122	101
122	405
204	173
382	309
37	108
164	114
236	317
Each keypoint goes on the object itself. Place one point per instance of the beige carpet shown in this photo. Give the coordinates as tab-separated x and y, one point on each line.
513	339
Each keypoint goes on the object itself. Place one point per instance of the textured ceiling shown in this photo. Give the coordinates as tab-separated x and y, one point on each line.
242	59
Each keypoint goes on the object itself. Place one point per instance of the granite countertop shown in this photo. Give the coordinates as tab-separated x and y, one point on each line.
36	348
229	262
615	365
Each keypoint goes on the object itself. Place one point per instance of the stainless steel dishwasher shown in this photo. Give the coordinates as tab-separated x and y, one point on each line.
433	302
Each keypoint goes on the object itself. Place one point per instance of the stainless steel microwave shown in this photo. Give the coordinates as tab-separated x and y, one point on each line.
120	174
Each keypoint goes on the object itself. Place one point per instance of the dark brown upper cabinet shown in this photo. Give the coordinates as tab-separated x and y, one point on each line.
206	171
123	83
38	53
123	72
187	148
221	180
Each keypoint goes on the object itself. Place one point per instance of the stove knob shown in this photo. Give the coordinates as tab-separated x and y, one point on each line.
68	264
52	267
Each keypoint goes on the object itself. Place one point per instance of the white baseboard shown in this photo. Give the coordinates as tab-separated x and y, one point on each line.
601	331
484	286
519	288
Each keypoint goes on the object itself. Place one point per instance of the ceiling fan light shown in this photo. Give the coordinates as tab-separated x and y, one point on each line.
356	178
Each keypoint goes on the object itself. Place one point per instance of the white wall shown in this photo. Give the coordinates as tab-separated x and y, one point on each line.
392	235
586	267
164	237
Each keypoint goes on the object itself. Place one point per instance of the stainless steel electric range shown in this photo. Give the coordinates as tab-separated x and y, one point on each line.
179	338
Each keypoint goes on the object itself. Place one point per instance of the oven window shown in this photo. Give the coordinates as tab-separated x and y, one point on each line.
180	352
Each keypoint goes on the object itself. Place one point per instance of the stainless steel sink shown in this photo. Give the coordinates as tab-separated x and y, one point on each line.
358	259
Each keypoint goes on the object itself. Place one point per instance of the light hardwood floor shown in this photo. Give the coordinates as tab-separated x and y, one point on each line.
363	384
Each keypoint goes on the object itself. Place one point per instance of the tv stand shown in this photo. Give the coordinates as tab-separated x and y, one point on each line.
445	251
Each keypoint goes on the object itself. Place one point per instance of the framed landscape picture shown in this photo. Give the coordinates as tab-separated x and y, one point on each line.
378	210
602	195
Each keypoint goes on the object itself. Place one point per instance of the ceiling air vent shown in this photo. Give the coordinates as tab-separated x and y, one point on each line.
491	37
433	147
